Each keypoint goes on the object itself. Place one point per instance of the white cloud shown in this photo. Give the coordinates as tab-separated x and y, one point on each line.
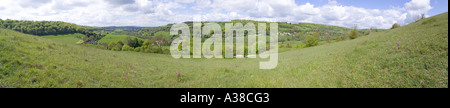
417	7
201	4
161	12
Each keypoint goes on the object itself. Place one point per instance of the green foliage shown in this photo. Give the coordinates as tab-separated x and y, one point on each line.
51	28
354	33
112	46
395	26
80	42
44	27
133	42
138	49
147	46
160	40
312	41
127	48
119	45
114	38
340	38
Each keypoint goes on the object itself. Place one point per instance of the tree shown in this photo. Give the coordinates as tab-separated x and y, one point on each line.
419	17
119	45
111	45
133	42
49	28
159	40
363	32
147	46
354	33
311	41
127	48
395	26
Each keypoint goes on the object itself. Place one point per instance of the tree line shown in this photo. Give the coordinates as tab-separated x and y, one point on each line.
49	28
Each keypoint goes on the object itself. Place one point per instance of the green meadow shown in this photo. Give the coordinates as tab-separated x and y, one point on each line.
68	38
114	38
412	56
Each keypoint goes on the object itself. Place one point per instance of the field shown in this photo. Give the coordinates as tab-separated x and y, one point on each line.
415	55
68	38
113	38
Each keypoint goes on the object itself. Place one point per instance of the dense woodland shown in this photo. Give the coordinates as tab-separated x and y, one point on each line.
50	28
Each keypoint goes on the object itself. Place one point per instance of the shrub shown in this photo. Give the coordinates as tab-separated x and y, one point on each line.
395	26
301	46
288	46
111	45
133	42
138	49
147	46
115	46
80	42
311	41
101	46
119	45
368	32
127	48
354	33
339	38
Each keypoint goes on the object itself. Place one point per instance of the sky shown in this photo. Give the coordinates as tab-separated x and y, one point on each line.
150	13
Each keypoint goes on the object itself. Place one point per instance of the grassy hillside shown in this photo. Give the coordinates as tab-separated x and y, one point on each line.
415	55
113	38
68	38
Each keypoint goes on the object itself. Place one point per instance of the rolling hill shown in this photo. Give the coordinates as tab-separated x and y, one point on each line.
415	55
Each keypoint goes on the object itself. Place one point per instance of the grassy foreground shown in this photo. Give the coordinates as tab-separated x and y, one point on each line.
415	55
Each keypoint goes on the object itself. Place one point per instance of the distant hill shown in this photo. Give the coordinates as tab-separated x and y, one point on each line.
283	28
125	27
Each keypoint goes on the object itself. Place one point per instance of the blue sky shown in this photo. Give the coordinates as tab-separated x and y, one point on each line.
346	13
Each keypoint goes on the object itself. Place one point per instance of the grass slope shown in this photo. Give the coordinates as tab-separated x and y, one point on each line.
68	38
113	38
415	55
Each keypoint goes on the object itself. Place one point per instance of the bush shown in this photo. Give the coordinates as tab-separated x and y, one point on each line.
311	41
115	46
354	33
395	26
101	46
301	46
133	42
80	42
111	45
127	48
147	47
339	38
119	45
138	49
288	46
